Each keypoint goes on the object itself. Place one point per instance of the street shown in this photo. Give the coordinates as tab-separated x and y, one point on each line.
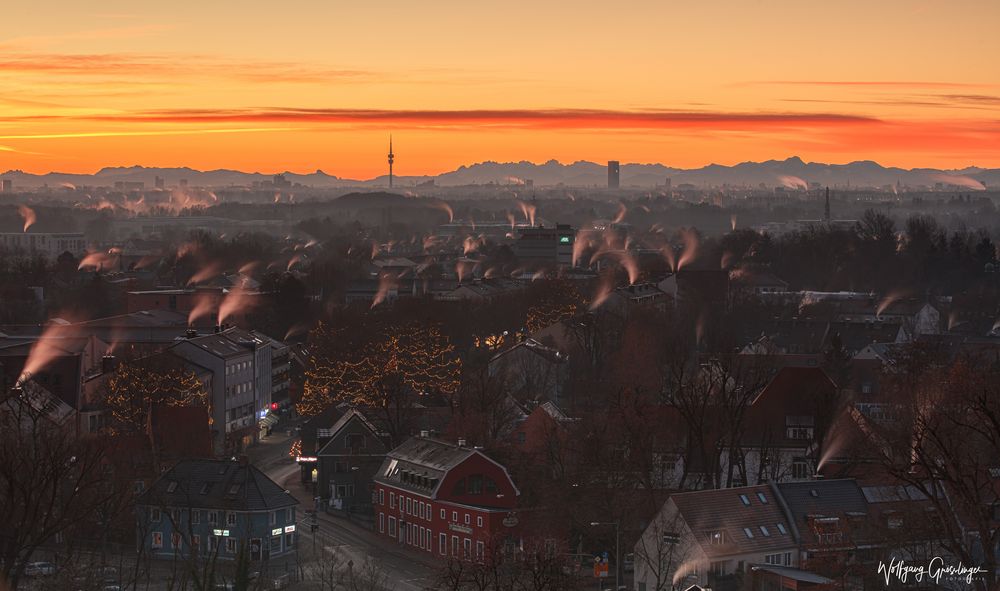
346	541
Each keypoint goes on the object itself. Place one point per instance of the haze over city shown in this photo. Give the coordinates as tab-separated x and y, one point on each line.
500	296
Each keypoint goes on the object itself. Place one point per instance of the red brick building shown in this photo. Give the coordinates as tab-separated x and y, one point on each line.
448	500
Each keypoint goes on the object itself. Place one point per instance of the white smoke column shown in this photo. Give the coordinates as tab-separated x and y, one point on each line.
45	350
732	222
668	253
445	207
690	248
237	300
529	212
203	307
513	222
792	182
622	210
889	299
29	216
959	181
604	290
207	272
386	282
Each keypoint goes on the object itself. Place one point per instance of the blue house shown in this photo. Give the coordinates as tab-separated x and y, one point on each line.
211	509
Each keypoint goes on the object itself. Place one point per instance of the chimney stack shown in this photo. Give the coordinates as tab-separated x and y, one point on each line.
190	333
425	433
108	363
461	442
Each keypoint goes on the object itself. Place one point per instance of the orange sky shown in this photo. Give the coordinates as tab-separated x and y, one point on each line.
303	85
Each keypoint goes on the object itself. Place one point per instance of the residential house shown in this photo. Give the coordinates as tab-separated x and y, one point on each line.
447	500
215	509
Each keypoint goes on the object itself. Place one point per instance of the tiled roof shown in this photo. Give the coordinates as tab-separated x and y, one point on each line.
217	484
726	513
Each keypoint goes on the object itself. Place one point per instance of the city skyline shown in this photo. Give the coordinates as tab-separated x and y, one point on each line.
207	87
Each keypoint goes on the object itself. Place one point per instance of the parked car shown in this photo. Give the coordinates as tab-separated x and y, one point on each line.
40	569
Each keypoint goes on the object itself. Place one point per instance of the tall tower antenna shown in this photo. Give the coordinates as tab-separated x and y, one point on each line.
391	158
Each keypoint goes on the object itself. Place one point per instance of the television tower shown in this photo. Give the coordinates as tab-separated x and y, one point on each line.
391	157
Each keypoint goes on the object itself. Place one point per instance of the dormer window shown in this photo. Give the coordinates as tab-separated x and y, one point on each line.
717	538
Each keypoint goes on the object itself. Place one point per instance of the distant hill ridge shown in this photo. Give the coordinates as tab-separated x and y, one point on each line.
789	172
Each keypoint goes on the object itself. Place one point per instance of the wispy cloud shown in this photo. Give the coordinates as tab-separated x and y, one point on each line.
27	42
95	134
102	65
908	84
515	118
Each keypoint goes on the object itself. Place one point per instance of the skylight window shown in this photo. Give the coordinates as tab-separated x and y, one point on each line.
764	531
205	488
781	528
745	500
234	489
762	497
748	532
172	486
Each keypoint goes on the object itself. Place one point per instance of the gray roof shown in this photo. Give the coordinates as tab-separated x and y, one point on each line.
822	498
217	484
709	511
427	460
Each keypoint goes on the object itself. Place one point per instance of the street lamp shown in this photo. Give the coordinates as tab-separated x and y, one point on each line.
618	553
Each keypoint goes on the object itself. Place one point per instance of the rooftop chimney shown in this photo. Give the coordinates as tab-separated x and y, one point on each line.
461	442
190	333
108	363
425	433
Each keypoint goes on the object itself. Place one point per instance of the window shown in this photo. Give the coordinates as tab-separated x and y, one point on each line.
154	515
454	545
273	517
467	547
468	519
231	545
479	521
480	550
175	541
195	543
157	539
762	497
289	540
196	517
800	469
175	516
392	526
213	543
381	497
289	515
773	559
409	506
275	544
788	559
454	516
392	500
764	531
745	500
717	538
442	544
748	532
213	517
381	523
172	486
230	518
894	522
475	484
717	568
443	514
781	528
